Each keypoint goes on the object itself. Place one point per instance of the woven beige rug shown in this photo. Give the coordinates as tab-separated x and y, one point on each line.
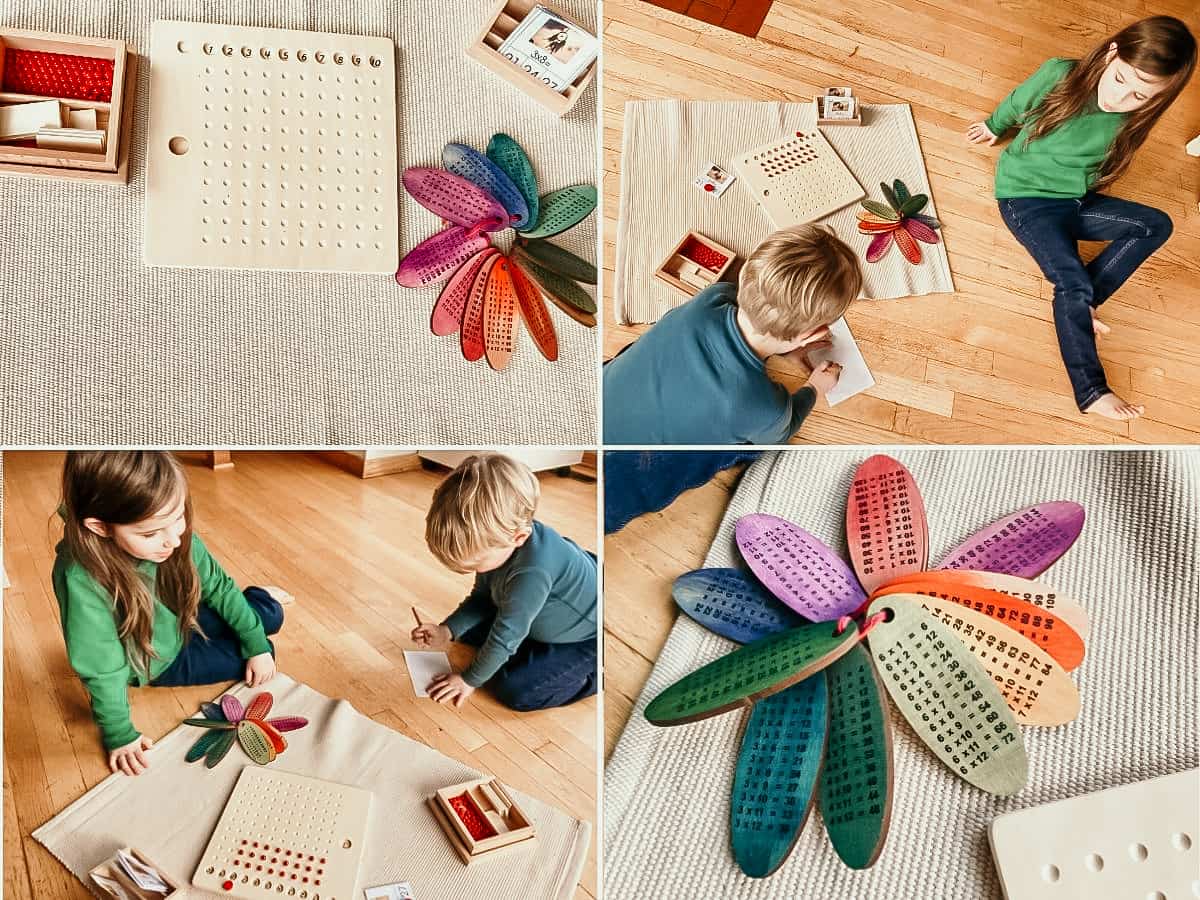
667	144
404	843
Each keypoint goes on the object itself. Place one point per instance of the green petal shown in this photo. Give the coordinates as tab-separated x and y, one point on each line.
552	283
514	162
889	195
884	212
901	191
563	209
559	260
202	746
217	751
914	204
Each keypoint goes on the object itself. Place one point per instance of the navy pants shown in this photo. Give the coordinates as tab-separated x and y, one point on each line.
538	675
1050	230
218	655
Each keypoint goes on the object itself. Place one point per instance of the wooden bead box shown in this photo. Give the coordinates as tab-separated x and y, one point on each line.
485	50
479	817
64	68
695	263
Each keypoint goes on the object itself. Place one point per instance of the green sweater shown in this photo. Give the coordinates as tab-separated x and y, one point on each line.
1063	163
97	654
546	591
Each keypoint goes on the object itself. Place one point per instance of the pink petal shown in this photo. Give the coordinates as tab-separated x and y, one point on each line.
453	198
435	259
921	231
448	311
232	707
879	246
1024	543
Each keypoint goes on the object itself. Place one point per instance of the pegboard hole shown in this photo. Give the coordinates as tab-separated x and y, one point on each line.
178	145
1181	841
1138	852
1094	862
1051	874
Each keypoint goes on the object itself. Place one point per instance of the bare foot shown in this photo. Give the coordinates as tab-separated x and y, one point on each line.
1113	407
284	598
1098	326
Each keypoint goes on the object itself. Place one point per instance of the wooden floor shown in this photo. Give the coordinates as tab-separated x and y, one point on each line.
352	552
982	365
640	563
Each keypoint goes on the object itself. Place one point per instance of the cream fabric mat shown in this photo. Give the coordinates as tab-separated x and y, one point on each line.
98	349
1136	569
404	843
667	144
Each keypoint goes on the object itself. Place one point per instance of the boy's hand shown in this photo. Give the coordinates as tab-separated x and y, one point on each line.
429	635
824	377
260	669
979	133
447	688
130	759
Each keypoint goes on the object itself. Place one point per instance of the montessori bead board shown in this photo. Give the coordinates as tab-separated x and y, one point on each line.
1138	840
271	149
798	179
286	836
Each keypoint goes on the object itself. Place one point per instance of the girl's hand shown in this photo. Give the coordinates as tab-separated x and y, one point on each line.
260	669
824	377
979	133
428	635
130	759
446	688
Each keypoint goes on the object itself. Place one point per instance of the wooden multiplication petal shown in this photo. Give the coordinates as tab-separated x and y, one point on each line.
560	290
885	523
232	707
948	698
437	258
220	748
204	744
534	313
1033	684
1024	543
1036	592
255	742
559	260
469	163
500	315
1045	629
798	568
757	670
454	198
218	724
856	784
452	301
471	335
287	723
277	740
213	711
508	155
260	705
776	776
563	209
732	604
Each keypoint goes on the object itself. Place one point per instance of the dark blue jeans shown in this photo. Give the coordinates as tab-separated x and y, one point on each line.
1050	229
218	655
538	675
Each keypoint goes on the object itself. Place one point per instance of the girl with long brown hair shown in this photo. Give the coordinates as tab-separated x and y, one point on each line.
1080	122
141	600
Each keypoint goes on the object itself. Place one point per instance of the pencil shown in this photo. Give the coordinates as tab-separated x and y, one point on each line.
417	617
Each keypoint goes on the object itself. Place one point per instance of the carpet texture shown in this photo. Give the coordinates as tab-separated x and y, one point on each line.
96	348
1135	569
667	143
404	843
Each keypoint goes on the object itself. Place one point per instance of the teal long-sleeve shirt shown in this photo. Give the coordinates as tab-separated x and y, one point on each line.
545	591
1062	164
693	379
95	649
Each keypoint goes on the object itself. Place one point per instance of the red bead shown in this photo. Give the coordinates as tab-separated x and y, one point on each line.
228	885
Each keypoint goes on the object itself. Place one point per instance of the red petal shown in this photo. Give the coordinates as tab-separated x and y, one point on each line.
879	246
910	248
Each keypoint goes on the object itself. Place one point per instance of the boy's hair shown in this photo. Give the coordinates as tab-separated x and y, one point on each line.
798	279
480	505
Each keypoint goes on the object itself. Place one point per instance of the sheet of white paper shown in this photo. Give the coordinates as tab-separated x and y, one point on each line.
82	118
423	665
401	891
855	377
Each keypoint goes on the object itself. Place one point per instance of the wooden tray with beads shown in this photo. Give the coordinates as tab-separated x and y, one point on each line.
479	817
283	834
485	50
81	74
695	263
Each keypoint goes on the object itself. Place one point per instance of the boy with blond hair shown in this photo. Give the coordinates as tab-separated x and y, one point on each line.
699	375
532	610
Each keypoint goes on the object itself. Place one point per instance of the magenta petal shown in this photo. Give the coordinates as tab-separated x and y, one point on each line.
436	259
797	568
232	707
1025	543
448	311
921	231
879	246
287	723
453	198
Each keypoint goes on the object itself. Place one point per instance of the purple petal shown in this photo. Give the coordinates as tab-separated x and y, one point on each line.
797	568
1025	543
879	246
437	258
232	707
453	198
921	231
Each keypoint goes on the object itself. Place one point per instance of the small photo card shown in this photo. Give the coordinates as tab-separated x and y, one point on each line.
715	179
839	92
400	891
839	107
550	48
